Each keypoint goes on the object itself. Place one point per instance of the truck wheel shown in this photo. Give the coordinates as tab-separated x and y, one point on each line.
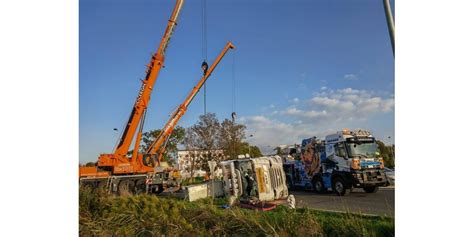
87	185
157	189
373	189
102	186
140	187
339	187
125	187
318	185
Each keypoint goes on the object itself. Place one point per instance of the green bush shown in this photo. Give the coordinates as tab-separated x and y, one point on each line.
148	215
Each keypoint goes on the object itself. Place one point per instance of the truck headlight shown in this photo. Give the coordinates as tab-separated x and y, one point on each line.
381	163
355	164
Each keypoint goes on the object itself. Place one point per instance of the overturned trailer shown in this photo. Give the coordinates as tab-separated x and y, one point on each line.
259	179
252	180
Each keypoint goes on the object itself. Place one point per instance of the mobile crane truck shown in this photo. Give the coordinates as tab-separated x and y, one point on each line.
142	172
345	160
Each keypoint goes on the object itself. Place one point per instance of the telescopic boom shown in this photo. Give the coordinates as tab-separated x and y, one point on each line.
144	94
158	145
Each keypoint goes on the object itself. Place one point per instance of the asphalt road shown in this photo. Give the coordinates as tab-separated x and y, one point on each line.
380	203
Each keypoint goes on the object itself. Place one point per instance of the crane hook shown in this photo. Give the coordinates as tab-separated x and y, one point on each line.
204	67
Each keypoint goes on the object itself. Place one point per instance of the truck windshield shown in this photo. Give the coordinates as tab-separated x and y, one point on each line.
362	149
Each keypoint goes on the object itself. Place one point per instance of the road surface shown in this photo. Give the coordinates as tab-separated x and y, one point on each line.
380	203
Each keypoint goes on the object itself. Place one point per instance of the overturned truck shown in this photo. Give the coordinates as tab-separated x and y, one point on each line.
251	180
261	179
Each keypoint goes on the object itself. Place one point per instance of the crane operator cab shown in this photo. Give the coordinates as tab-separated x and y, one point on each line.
150	160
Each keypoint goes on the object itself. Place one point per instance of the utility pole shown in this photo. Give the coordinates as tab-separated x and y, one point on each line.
251	135
390	23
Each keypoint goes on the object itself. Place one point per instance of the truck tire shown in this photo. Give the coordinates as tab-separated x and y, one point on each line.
157	189
340	187
372	189
102	186
125	188
318	185
140	187
87	185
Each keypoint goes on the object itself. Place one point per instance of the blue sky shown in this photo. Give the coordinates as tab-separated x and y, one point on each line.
302	68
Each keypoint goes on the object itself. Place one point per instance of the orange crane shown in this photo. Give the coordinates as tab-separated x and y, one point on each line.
118	170
150	160
157	148
118	162
153	156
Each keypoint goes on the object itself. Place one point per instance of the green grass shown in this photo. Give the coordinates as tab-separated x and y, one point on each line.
148	215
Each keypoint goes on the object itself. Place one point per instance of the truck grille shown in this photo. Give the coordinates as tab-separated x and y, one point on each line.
371	176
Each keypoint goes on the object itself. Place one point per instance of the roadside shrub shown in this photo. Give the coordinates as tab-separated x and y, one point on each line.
148	215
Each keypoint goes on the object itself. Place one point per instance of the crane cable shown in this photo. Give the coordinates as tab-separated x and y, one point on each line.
233	85
204	65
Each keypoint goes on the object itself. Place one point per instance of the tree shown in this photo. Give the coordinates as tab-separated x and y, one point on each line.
171	149
387	153
230	138
204	136
90	164
278	150
243	148
206	131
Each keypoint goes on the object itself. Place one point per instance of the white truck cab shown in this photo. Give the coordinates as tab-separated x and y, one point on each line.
353	160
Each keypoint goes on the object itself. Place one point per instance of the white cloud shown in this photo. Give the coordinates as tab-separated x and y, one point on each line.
388	105
326	111
351	77
269	133
349	91
324	101
256	119
348	101
295	100
303	114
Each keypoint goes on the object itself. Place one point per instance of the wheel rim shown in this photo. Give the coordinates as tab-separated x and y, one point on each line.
339	187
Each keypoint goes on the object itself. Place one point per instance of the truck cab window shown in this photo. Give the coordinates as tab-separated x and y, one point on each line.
340	150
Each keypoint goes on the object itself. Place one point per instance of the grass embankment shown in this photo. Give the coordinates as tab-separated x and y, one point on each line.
148	215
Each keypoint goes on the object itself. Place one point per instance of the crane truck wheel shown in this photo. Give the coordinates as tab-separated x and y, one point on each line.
125	188
372	189
140	187
87	185
102	186
318	185
339	187
157	189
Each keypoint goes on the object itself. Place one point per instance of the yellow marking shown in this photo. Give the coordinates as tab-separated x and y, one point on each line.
260	180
